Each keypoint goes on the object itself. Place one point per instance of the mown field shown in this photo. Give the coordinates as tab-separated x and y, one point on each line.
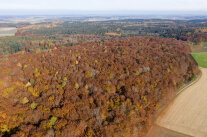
201	58
8	31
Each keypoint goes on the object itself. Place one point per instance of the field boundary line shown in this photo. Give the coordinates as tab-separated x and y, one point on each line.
192	83
179	92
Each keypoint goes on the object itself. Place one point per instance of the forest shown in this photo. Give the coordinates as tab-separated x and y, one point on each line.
107	88
47	35
84	78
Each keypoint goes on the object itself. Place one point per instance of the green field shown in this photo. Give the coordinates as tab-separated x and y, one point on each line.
201	59
7	31
5	35
205	44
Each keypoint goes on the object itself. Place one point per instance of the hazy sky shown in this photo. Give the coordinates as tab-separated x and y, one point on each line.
159	5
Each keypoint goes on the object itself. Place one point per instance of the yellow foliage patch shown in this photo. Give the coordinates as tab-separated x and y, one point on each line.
9	90
33	91
1	83
113	34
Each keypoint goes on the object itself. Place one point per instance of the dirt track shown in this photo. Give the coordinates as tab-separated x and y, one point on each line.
187	114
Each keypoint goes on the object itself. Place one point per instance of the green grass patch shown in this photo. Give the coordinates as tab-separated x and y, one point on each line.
5	35
201	59
7	31
205	44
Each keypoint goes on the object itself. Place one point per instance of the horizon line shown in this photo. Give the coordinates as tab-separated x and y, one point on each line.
80	12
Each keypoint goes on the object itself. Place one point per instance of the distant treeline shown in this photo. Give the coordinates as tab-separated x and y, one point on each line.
55	34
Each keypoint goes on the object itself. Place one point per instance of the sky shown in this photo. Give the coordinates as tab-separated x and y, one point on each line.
106	5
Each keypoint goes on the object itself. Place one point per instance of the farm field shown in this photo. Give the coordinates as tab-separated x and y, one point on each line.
205	45
8	31
202	50
187	113
201	58
157	131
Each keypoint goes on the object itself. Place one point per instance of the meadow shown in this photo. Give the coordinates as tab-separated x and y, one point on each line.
205	45
201	58
7	31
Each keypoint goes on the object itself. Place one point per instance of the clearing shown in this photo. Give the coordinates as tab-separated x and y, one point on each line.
8	31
